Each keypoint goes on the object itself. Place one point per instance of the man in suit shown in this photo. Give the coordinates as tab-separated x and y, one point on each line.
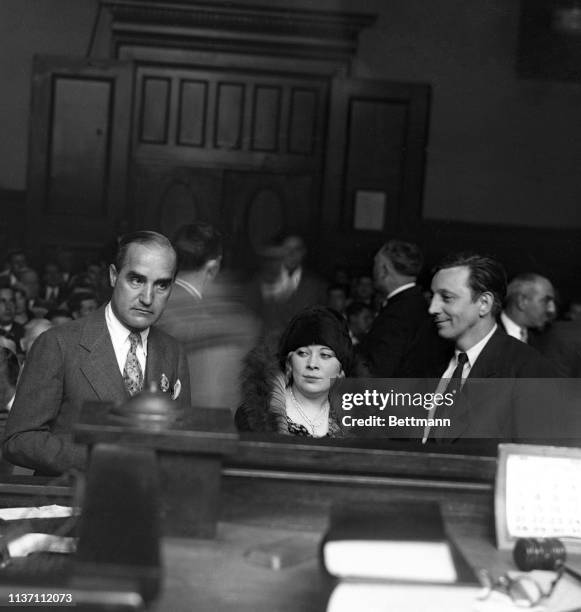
393	347
51	291
203	314
468	290
107	356
7	314
529	305
285	286
304	288
560	343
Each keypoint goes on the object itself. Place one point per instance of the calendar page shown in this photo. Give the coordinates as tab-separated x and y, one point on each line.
538	493
543	497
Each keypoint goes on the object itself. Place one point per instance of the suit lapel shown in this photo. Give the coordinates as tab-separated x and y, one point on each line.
485	367
155	360
99	364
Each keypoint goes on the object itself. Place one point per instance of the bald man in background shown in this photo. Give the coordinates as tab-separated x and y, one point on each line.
529	306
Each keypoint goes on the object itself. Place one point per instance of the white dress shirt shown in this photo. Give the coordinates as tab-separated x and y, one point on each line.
513	329
472	353
120	339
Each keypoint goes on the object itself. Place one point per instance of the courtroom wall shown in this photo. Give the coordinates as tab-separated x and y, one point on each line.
502	150
59	27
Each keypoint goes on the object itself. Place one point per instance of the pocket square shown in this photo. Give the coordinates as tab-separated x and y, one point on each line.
176	390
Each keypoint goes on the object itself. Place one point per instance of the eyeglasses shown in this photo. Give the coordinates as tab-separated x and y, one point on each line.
523	590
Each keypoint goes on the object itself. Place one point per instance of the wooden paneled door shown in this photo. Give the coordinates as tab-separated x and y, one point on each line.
375	163
239	148
252	152
78	152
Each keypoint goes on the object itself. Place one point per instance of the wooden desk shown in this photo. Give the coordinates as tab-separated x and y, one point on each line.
271	491
215	576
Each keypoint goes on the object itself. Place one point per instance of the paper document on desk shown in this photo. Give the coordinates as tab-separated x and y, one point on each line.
41	542
393	597
41	512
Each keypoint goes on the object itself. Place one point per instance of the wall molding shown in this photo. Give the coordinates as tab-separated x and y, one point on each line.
228	27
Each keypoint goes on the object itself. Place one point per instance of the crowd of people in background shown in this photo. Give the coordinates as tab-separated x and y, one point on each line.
377	323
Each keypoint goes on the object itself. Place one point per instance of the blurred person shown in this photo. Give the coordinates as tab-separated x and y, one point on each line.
51	290
95	279
529	305
365	290
22	313
287	391
337	298
284	285
107	356
32	331
302	286
17	262
359	319
8	342
82	303
204	314
7	314
59	316
573	312
341	277
28	279
9	372
65	259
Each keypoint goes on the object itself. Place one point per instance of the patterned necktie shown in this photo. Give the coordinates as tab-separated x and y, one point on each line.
132	374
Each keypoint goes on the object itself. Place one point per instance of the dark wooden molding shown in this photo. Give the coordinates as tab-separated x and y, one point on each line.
388	459
232	28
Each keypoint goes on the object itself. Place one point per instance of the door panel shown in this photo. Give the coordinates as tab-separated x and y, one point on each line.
230	118
257	206
78	150
376	145
164	196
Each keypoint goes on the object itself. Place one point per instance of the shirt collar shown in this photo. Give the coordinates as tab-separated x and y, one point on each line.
400	289
512	328
188	287
119	333
475	350
295	276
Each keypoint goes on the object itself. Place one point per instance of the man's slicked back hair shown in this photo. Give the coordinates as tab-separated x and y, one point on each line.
487	274
405	257
143	237
196	244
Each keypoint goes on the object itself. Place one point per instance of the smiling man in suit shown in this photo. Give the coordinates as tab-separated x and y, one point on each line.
468	290
107	356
